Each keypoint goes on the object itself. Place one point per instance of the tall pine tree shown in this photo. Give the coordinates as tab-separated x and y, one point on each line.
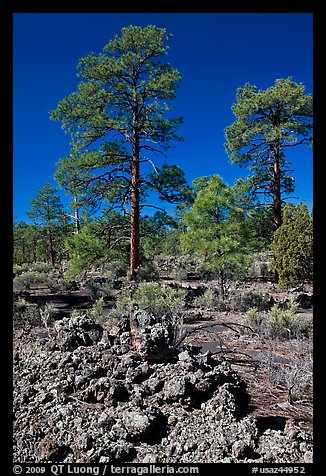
118	121
214	227
267	124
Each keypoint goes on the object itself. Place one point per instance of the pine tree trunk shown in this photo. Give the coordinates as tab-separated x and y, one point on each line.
222	284
205	251
277	203
76	215
135	185
23	250
51	250
34	251
135	213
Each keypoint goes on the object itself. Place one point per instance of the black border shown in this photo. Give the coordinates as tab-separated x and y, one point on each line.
6	238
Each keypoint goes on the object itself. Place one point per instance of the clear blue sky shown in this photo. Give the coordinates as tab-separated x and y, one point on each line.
215	53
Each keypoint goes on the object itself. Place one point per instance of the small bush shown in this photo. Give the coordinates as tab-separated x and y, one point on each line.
278	322
25	280
153	298
281	321
180	267
25	312
115	269
295	377
253	319
125	302
37	267
180	273
99	287
47	314
245	301
40	274
59	283
51	310
147	272
76	313
96	312
161	304
187	265
208	300
261	265
160	300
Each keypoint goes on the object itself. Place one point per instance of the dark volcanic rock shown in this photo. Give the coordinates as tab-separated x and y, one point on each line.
304	300
77	331
175	389
138	423
51	450
89	402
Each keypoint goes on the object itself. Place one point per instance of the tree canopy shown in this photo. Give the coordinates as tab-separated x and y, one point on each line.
293	246
214	226
47	210
118	122
268	122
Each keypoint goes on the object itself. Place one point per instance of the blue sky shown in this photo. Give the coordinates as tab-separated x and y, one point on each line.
215	53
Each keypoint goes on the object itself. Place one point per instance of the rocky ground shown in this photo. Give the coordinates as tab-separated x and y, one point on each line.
84	392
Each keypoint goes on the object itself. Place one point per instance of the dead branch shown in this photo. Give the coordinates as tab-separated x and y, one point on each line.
225	324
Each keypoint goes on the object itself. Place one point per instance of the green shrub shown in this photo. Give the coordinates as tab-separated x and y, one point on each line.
153	298
76	313
261	265
63	284
125	302
209	299
147	272
39	267
281	321
25	312
25	280
278	322
164	303
51	310
47	314
99	287
115	269
160	300
253	319
96	312
180	267
41	274
245	301
187	264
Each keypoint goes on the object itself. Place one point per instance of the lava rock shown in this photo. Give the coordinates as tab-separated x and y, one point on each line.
85	403
77	331
51	450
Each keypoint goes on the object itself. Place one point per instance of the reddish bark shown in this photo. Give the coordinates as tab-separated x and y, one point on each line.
51	250
277	203
205	251
76	216
135	213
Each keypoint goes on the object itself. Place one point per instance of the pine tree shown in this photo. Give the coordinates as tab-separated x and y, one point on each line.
22	243
267	124
99	240
118	120
293	246
47	211
214	227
